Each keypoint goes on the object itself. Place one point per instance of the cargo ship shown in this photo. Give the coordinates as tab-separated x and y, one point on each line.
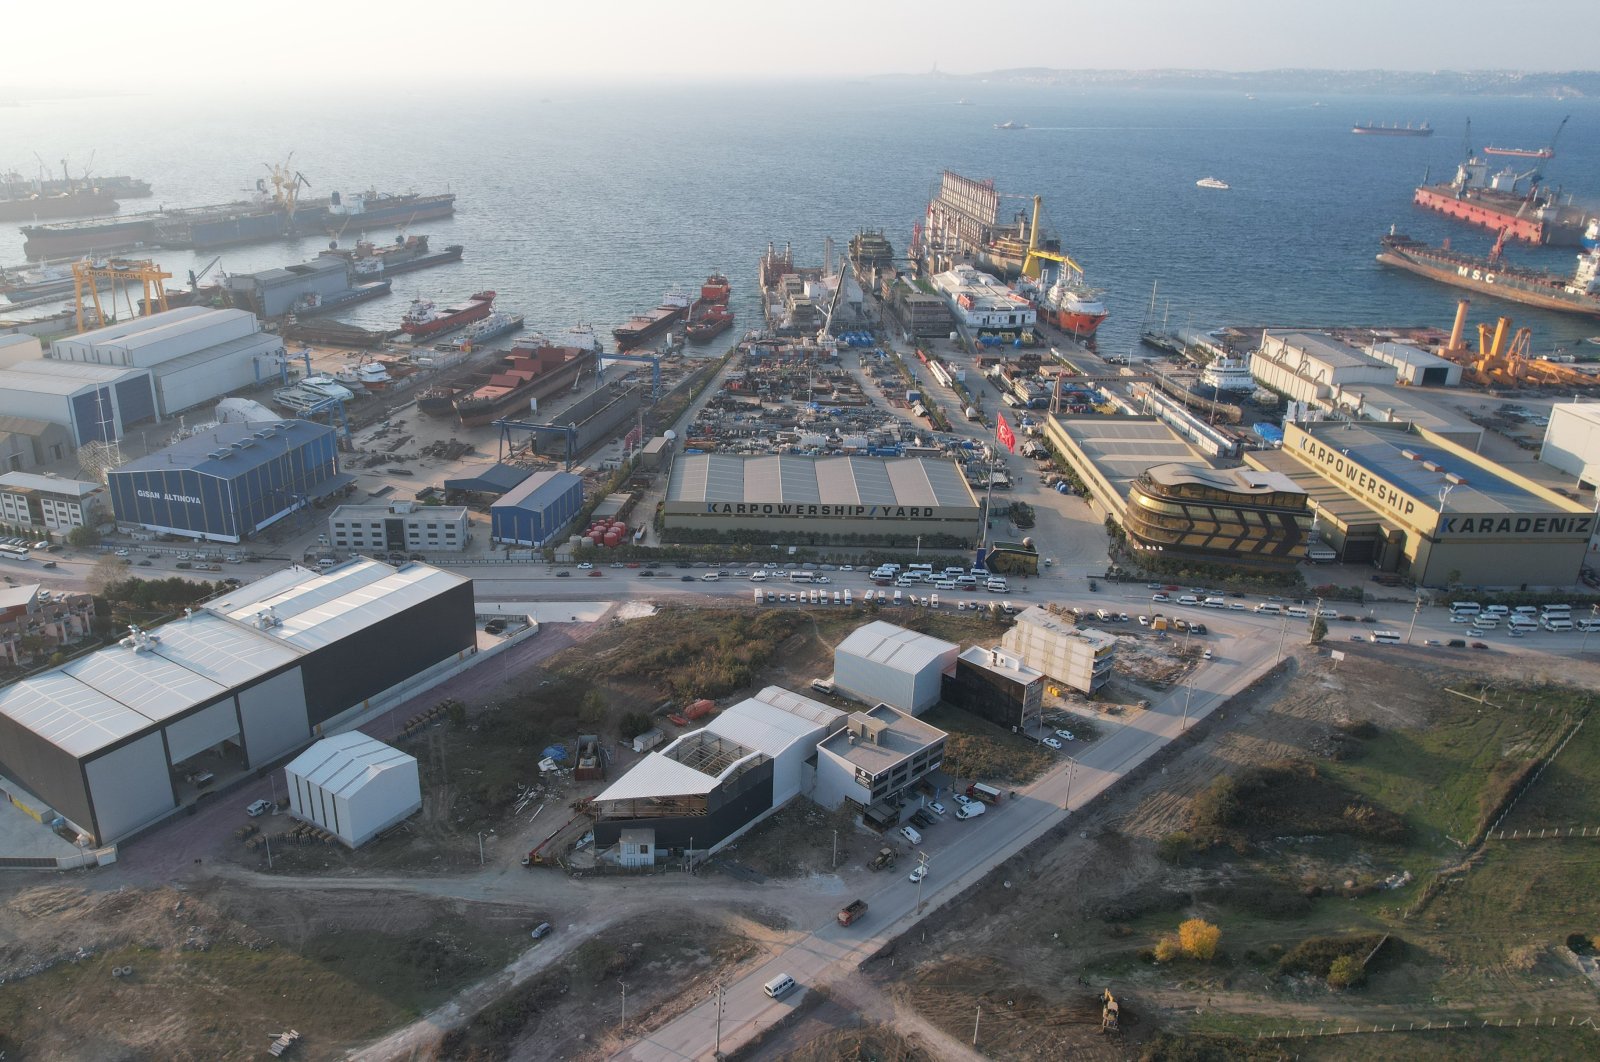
1547	152
1065	302
22	199
531	370
1379	129
1492	275
424	320
369	261
273	214
643	327
1494	202
312	303
710	316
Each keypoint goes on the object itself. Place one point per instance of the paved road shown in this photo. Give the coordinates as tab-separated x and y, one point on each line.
960	853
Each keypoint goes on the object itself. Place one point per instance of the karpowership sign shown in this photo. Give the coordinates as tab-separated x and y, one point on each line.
859	512
1354	477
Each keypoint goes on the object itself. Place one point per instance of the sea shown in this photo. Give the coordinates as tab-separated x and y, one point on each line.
584	205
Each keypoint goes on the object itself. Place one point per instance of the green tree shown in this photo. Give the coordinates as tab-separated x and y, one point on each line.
1346	972
592	709
1319	629
83	536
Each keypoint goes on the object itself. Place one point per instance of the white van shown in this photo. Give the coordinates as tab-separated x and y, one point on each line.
997	586
911	836
1468	608
1556	623
1554	611
1188	599
944	584
801	577
1485	623
919	569
779	986
1297	611
1269	607
967	582
710	577
971	810
1496	610
897	597
1522	624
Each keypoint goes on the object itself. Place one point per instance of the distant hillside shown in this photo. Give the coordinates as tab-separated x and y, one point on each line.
1573	83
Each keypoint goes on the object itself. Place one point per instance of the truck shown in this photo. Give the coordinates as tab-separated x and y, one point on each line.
986	793
852	912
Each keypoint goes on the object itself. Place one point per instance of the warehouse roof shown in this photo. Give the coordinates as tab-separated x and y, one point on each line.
828	480
82	372
538	490
244	320
308	609
775	719
25	380
49	484
24	425
74	717
488	479
227	450
136	324
895	647
1122	447
1323	496
346	763
1410	462
1334	353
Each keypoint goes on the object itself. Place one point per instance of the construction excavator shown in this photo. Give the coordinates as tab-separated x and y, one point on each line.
1502	358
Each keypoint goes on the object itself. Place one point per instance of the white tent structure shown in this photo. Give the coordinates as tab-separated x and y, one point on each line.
353	786
881	663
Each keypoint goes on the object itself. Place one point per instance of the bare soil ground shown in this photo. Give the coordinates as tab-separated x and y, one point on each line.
1081	904
209	973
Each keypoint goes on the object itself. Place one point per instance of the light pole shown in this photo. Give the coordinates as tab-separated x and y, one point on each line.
268	838
624	985
922	861
481	835
1072	768
836	849
721	995
1186	699
1283	631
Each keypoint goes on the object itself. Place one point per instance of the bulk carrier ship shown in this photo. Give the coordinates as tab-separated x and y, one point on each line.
1493	275
22	199
275	213
643	327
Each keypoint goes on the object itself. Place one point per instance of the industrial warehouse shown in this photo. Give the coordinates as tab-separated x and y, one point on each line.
229	482
1407	500
820	498
121	738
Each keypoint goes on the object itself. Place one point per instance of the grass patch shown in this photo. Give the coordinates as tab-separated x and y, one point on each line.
983	750
1290	797
1314	956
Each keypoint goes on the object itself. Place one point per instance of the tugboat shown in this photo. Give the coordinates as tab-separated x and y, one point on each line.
424	319
709	316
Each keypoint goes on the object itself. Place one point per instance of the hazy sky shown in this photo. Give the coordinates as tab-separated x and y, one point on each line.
220	45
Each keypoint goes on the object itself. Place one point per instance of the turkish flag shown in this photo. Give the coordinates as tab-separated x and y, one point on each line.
1004	434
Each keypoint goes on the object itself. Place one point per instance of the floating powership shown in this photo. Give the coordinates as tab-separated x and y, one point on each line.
1493	275
1506	201
276	213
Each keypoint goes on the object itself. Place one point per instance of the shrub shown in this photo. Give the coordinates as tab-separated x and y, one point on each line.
1176	846
1579	943
1316	955
1346	972
633	724
1167	948
1199	939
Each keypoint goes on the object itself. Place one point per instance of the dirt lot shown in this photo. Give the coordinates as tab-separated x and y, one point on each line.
1374	771
215	970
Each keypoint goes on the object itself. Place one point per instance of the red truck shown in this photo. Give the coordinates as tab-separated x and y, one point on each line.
849	914
986	793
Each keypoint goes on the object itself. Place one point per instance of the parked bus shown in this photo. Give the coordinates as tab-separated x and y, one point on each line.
1387	637
801	577
16	553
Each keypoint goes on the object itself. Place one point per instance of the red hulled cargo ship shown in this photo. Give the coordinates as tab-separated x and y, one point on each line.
532	369
425	320
710	316
1495	202
643	327
1493	275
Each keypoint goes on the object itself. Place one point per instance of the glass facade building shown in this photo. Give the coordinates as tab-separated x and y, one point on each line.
1230	515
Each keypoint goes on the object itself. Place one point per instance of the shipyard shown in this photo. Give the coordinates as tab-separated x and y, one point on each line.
914	568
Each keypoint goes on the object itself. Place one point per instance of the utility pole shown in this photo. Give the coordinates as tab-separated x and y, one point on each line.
1186	699
721	995
922	861
836	849
1283	631
975	1019
624	985
268	838
1072	768
1416	611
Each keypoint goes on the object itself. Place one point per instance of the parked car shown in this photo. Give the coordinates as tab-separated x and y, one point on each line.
1065	735
936	807
259	808
1054	743
585	566
563	574
542	930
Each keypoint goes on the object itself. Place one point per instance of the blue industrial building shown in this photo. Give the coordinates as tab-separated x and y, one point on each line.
536	510
228	482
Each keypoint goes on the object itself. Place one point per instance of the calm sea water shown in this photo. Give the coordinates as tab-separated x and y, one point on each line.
585	206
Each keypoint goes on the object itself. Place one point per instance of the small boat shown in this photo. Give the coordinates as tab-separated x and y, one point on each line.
1011	125
963	102
1212	182
1594	340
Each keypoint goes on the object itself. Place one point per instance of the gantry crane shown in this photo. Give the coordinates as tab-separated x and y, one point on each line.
507	443
654	361
121	272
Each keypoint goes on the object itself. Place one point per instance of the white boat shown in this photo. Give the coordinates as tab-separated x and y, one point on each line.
1228	374
1211	182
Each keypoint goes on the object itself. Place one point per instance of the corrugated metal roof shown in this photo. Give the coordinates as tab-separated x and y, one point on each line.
538	490
774	719
248	446
38	383
77	719
82	372
314	609
242	320
49	484
895	647
848	480
659	776
346	763
488	479
135	324
152	685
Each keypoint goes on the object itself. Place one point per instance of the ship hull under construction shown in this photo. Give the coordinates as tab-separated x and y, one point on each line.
1558	226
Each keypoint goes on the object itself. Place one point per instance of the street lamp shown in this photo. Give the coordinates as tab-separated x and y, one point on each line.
922	861
1186	699
1066	801
481	835
1415	612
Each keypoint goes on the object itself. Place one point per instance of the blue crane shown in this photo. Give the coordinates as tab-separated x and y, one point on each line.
567	431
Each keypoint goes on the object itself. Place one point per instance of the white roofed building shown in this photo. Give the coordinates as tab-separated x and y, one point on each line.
353	786
710	785
881	663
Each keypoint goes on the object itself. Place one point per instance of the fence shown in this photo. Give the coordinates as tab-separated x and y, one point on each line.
1448	1025
1550	833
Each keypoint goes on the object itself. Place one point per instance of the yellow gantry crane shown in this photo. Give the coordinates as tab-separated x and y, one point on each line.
123	273
1032	266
